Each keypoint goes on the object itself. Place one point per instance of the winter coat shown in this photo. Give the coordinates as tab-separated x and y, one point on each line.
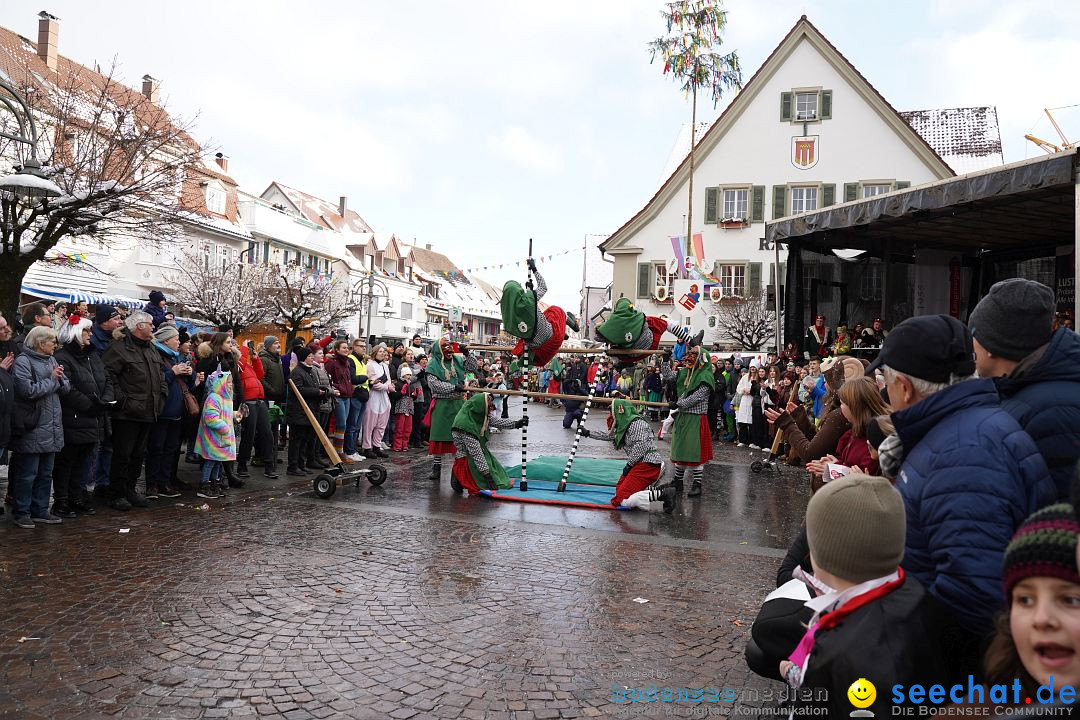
138	379
970	476
326	401
904	623
217	434
174	398
807	443
273	380
35	385
251	375
852	450
1043	394
84	407
7	406
156	312
342	372
208	362
303	377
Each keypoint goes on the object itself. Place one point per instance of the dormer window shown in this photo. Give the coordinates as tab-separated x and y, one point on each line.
215	198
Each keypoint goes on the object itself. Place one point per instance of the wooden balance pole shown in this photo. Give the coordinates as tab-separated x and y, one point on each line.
575	351
328	446
560	396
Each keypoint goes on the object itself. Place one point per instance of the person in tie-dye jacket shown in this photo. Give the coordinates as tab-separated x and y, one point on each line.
216	441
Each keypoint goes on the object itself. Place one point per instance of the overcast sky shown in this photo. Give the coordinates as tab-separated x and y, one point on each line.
476	125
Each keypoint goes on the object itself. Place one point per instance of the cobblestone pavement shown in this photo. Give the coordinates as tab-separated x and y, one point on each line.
404	601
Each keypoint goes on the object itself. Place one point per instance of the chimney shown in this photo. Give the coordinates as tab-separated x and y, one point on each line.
151	88
222	161
427	246
48	37
342	206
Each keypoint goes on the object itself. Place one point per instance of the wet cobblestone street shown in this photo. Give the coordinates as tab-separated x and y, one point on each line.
402	601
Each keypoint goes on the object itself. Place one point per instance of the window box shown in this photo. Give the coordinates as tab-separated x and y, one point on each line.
733	223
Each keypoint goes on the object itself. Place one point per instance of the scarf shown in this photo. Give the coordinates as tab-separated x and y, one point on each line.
174	354
891	456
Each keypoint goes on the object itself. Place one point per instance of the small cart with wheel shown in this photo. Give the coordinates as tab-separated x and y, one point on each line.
326	483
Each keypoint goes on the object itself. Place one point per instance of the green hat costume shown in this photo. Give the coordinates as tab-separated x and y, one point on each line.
518	306
444	410
624	413
624	326
556	368
472	418
690	379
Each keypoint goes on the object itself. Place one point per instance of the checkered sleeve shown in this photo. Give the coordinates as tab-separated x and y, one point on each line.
639	444
467	445
441	389
502	423
696	402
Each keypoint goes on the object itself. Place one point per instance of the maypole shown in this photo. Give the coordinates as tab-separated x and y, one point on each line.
694	29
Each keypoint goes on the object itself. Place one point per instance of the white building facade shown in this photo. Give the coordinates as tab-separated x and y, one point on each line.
806	131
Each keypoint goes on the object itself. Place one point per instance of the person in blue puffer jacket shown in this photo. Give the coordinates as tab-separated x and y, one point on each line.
1037	370
967	471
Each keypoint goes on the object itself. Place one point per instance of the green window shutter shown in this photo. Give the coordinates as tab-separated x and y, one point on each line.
779	201
851	191
785	106
758	204
901	184
710	204
825	103
754	281
828	194
644	279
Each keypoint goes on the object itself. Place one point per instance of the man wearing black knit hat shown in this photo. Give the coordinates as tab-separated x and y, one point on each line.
1037	369
967	471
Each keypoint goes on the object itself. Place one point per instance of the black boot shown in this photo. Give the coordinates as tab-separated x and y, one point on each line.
270	471
227	471
436	471
695	489
242	470
696	340
668	496
677	485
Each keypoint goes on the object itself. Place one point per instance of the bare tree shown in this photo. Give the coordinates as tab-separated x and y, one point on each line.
747	322
234	294
118	160
306	300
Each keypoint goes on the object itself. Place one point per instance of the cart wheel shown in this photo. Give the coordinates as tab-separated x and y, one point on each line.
455	485
325	486
376	475
757	466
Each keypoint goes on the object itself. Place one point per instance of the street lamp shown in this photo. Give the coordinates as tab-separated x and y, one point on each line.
29	182
370	281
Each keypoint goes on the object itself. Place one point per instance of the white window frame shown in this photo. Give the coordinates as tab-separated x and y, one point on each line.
660	271
216	198
736	213
803	189
732	276
801	94
406	310
873	187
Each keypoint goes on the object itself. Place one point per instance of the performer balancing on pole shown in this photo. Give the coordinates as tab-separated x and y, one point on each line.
541	332
474	466
446	370
691	440
637	486
629	329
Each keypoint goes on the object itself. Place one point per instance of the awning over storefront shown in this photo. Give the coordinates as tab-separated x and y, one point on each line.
74	296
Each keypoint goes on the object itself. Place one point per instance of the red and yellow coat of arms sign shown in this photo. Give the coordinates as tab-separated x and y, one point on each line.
804	151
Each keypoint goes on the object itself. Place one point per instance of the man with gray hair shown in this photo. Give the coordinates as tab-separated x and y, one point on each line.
967	471
138	379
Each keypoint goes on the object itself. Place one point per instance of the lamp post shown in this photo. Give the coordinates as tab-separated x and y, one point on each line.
29	182
387	310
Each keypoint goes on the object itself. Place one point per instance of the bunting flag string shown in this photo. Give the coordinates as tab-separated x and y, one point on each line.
519	263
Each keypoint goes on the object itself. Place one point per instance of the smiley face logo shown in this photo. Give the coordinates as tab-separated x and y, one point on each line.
862	693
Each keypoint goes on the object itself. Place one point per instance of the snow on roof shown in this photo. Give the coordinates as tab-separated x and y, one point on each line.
967	139
323	212
681	149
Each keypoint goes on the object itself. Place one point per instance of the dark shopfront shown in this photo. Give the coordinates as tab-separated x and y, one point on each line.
934	248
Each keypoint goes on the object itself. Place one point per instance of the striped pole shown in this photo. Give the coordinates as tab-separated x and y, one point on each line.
577	434
525	399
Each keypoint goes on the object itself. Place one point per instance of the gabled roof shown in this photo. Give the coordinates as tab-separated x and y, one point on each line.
431	261
321	212
803	29
968	139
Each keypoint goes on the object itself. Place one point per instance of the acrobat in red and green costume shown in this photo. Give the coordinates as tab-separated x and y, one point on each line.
540	332
637	486
691	441
627	328
474	465
446	370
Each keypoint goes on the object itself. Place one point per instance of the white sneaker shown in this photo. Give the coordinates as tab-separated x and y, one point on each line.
355	457
495	430
754	447
740	444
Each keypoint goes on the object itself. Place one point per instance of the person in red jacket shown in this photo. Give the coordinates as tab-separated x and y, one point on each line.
343	378
255	429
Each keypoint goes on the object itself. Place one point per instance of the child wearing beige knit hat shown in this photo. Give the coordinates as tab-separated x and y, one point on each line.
871	623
